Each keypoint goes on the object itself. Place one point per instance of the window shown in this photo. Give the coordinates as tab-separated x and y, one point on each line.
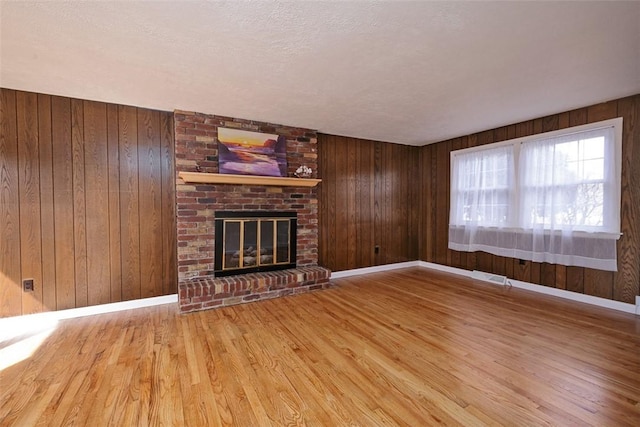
553	197
483	187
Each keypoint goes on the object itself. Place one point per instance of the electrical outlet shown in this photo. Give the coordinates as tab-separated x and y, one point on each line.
27	285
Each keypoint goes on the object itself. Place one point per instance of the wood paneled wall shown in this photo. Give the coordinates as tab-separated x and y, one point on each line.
622	285
87	203
366	200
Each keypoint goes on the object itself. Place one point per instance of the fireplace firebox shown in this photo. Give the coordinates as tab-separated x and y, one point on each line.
248	242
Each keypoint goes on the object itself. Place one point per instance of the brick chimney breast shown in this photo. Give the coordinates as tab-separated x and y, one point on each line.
196	150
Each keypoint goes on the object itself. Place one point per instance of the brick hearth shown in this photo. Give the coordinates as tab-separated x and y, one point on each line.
209	292
197	151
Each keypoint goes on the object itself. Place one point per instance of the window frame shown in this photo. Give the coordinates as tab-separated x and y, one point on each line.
516	143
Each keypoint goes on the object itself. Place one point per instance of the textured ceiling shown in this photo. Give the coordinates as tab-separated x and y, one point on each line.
406	72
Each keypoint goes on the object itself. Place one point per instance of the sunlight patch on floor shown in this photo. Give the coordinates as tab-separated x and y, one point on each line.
20	337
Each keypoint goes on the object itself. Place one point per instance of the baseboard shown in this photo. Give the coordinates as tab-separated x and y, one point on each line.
560	293
94	309
376	269
169	299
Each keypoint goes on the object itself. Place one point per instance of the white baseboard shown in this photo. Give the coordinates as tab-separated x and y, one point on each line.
376	269
169	299
588	299
561	293
94	309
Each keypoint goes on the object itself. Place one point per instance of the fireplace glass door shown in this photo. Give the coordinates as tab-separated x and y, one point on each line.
254	241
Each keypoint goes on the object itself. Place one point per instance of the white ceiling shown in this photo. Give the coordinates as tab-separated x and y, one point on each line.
406	72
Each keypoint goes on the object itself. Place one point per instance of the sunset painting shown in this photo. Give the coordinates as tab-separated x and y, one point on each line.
243	152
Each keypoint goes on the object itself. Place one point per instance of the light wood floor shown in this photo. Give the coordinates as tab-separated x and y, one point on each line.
410	347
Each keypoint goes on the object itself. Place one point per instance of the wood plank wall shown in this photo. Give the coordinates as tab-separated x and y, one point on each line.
365	200
87	203
622	285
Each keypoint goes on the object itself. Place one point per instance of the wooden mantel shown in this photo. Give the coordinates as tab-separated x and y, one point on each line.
218	178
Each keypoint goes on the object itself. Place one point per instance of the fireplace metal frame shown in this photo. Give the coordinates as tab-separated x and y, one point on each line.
219	220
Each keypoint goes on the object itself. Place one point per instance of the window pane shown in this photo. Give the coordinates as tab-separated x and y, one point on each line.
589	204
592	148
592	170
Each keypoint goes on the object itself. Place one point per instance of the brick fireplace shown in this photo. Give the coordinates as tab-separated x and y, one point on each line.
196	150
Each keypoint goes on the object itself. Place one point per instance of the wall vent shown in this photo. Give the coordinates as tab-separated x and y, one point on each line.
489	277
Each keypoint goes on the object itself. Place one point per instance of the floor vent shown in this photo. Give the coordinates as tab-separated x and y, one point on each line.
488	277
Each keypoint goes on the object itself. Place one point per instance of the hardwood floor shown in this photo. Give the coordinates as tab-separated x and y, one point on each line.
409	347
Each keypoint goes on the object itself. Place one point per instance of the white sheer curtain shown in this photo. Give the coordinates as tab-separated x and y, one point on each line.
482	195
569	201
550	199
